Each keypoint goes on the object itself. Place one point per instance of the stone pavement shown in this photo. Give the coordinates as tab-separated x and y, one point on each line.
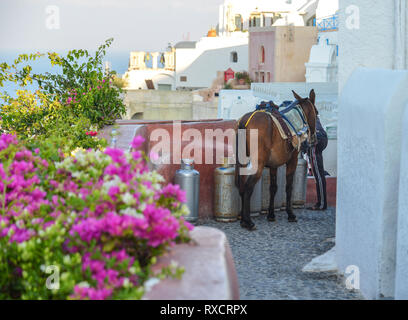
269	260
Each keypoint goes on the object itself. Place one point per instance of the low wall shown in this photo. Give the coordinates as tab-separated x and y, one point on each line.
219	149
167	105
205	110
401	278
157	104
209	270
370	128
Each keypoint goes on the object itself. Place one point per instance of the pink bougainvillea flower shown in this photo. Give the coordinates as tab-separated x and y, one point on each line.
137	142
154	156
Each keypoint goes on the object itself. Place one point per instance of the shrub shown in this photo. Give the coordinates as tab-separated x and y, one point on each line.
82	88
99	218
85	86
243	75
37	121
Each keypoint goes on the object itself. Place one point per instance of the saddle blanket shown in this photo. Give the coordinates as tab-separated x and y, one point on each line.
298	133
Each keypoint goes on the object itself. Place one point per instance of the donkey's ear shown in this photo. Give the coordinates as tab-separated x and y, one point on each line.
297	97
312	96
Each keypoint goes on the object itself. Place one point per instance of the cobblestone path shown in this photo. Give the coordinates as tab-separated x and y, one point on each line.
269	261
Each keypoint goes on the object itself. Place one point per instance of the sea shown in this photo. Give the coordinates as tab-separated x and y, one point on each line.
118	60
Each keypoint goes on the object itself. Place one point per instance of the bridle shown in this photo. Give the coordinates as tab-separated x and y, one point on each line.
310	138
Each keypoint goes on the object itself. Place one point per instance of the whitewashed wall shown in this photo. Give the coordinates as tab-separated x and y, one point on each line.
377	39
200	64
371	107
401	279
326	96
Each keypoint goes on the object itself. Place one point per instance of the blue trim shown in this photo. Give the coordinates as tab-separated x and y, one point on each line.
288	106
328	24
290	123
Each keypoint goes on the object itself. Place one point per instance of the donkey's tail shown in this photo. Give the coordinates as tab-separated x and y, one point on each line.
238	179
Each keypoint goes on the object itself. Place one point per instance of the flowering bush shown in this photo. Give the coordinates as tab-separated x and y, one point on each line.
80	98
37	120
85	86
89	226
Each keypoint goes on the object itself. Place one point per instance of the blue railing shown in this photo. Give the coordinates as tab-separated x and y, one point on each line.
328	24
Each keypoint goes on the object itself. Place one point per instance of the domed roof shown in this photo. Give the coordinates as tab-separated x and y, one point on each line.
212	33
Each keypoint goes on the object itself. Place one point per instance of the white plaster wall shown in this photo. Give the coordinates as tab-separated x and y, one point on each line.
326	8
200	65
322	64
371	106
326	96
233	104
136	78
333	37
372	44
401	279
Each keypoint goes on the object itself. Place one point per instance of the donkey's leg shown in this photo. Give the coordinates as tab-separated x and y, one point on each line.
246	221
290	172
273	188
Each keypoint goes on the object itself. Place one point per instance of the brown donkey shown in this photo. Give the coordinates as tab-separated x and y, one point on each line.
273	152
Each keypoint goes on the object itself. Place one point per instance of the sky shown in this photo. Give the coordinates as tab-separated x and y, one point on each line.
146	25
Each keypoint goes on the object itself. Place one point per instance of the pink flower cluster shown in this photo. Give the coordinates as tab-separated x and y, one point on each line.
106	202
91	133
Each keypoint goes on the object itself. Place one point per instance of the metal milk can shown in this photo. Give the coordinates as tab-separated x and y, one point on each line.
300	184
189	180
226	194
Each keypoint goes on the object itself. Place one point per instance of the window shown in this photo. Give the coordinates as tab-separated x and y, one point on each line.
183	79
234	56
255	21
238	23
262	55
256	77
164	87
262	77
268	77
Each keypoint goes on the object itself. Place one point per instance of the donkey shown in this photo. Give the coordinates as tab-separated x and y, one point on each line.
273	151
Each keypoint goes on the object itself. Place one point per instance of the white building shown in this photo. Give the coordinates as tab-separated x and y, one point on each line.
240	15
371	224
194	64
159	67
322	65
197	63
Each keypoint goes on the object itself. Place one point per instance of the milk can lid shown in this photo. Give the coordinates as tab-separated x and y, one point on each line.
187	163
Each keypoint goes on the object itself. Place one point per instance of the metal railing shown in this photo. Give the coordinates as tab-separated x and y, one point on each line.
328	24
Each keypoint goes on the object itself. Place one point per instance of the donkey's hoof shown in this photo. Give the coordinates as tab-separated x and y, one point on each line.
250	226
292	218
271	218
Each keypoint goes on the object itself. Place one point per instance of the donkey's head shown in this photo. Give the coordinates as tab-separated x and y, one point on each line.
310	111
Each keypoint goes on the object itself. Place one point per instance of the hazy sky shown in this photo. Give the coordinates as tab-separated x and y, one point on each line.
134	24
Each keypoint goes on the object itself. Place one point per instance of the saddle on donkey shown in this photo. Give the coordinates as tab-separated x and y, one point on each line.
289	118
